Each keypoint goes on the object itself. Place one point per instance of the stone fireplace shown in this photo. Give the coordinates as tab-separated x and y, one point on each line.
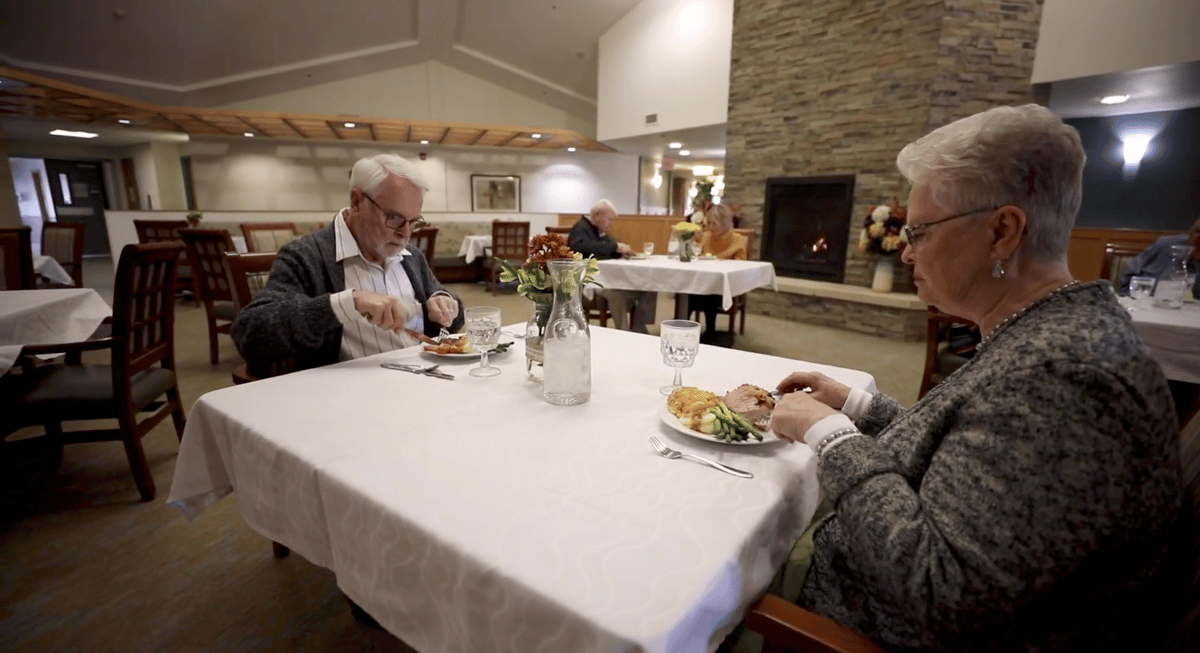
806	222
835	88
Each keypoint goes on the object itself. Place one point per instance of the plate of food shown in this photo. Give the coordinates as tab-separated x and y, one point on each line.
639	257
740	417
460	348
707	257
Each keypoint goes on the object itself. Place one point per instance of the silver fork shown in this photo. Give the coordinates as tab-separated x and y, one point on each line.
667	452
443	334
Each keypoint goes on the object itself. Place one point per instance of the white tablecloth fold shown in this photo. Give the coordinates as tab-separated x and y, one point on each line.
46	317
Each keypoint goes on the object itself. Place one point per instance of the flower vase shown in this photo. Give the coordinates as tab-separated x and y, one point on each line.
535	332
685	248
885	273
567	341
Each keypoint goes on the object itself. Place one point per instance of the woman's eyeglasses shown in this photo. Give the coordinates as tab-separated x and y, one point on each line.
395	220
913	233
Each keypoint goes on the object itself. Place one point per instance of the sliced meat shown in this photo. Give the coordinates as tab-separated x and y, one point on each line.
751	402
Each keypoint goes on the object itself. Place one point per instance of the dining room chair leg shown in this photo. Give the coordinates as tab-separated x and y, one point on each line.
212	339
137	463
279	551
177	414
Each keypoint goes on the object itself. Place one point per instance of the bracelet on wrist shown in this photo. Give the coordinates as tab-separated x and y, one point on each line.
832	437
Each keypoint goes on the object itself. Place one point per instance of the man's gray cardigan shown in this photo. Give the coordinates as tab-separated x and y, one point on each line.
292	318
1023	504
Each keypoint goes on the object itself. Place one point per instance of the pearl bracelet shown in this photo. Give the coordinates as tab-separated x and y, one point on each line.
836	435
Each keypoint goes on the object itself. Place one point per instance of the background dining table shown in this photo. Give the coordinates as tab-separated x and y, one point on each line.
46	317
700	276
1173	336
472	515
49	268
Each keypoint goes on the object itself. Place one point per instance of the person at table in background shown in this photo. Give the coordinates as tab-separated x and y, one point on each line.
351	288
1155	259
589	236
1027	502
720	240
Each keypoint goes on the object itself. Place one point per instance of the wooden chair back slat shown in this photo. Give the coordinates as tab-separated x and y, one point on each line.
144	307
63	241
425	239
207	247
248	273
16	259
268	236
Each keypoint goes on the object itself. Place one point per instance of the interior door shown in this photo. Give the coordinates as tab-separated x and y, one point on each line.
77	189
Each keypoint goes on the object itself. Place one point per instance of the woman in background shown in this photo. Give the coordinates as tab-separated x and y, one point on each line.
720	240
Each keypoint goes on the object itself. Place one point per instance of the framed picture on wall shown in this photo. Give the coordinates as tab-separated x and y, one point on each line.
496	193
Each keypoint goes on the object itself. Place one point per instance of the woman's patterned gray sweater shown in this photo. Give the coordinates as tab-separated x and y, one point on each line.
1025	503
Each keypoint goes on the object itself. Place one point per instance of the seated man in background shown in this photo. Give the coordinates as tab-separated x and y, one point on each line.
352	288
589	237
1154	259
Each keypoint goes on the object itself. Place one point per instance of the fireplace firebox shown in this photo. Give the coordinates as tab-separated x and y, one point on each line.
806	225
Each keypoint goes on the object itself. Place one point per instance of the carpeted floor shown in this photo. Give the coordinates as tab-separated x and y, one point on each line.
87	566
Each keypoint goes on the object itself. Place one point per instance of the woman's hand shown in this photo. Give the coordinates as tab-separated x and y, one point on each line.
795	413
822	388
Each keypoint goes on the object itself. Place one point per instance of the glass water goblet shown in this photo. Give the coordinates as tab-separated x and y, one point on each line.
647	249
679	341
1140	289
483	332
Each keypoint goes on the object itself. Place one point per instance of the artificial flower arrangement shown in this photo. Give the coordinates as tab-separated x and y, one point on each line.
687	229
533	277
883	230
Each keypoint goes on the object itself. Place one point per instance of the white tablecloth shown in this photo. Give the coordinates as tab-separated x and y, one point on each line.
727	278
50	268
471	515
46	317
1172	335
473	246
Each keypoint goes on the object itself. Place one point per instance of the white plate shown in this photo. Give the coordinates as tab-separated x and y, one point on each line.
707	257
672	421
639	257
470	354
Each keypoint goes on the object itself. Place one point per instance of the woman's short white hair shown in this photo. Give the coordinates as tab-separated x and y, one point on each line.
369	172
722	214
602	205
1024	156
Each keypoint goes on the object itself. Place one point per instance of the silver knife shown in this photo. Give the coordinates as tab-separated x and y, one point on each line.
416	369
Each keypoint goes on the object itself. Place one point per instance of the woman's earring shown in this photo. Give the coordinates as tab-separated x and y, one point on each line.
997	271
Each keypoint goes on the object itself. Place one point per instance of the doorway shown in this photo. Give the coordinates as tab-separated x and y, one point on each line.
77	192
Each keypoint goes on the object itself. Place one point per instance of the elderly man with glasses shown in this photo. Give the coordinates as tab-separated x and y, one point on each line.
354	287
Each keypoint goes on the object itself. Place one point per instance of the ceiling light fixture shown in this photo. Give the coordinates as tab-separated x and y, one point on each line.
248	134
570	149
424	141
703	171
64	132
124	121
536	135
675	146
349	125
1114	99
684	152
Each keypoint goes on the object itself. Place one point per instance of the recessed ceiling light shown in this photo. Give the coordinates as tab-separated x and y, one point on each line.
248	134
349	125
674	146
424	141
64	132
570	149
684	152
1113	99
536	135
124	121
702	171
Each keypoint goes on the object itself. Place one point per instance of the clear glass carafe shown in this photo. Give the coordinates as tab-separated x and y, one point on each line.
567	343
1172	284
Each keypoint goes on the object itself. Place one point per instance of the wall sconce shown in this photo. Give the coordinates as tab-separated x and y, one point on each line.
656	180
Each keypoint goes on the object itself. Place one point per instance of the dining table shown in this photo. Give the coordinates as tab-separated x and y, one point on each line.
49	268
700	276
1172	335
46	317
474	247
472	515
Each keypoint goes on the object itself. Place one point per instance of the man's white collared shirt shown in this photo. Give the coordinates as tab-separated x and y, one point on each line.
360	337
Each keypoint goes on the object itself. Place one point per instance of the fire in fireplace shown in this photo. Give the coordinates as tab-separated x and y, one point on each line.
806	226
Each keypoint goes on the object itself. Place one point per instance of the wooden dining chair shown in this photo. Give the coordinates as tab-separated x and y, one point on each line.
141	368
63	242
207	248
1116	258
949	344
510	242
268	236
425	239
162	231
736	310
16	259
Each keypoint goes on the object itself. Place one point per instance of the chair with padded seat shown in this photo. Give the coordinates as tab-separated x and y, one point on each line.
63	242
510	242
736	310
207	248
1116	258
16	259
425	239
268	236
950	342
161	231
141	368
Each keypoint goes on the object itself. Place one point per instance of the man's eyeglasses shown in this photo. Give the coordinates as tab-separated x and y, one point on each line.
913	234
395	220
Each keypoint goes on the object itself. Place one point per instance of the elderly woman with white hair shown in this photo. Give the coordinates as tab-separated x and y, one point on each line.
1028	501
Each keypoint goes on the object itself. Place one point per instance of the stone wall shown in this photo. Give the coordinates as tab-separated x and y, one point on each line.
829	87
882	321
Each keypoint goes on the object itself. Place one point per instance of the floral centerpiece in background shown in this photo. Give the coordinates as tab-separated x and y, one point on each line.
883	235
686	232
533	282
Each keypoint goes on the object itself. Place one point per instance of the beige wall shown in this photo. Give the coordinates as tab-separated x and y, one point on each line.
10	213
425	91
159	175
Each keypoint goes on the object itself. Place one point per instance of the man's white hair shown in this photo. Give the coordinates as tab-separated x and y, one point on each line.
369	172
1024	156
602	205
